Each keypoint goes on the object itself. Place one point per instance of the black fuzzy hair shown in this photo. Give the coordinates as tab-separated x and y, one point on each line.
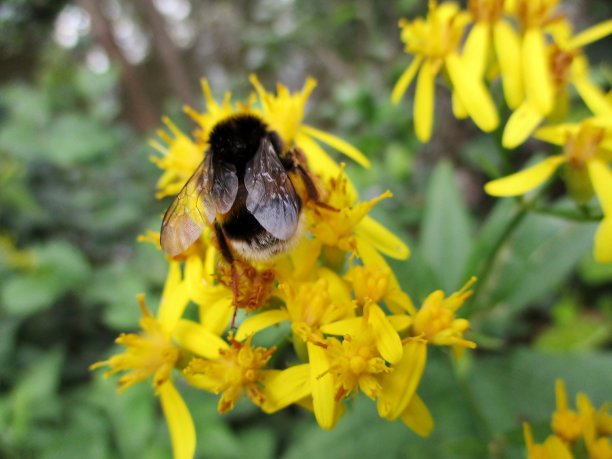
237	138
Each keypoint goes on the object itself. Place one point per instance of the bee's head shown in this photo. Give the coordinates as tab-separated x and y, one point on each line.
237	137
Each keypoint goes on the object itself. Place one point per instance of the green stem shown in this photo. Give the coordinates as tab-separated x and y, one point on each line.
569	215
489	262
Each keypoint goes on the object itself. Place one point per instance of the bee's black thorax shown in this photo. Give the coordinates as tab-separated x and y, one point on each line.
237	139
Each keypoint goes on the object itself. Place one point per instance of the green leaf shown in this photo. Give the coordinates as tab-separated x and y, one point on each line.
131	416
531	265
445	234
34	396
73	138
60	267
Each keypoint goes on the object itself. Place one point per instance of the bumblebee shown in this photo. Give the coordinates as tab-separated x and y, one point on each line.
249	188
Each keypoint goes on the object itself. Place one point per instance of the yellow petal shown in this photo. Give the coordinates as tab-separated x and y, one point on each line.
593	97
601	177
521	124
197	339
216	316
424	102
336	286
338	144
381	238
417	417
476	49
180	424
525	180
557	134
593	33
318	160
556	449
508	51
602	250
322	384
398	301
399	386
472	93
282	388
387	340
304	259
399	322
458	108
404	81
259	321
560	395
536	71
352	326
174	298
395	299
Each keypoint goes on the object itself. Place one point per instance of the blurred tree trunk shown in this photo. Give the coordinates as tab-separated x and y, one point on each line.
145	116
168	54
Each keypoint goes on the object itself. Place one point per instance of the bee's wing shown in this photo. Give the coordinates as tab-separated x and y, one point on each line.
223	187
186	217
271	198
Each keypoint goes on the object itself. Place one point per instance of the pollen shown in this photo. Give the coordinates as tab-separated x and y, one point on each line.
251	287
560	62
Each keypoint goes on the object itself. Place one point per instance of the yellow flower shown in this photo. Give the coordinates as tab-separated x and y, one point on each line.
347	224
308	305
375	281
355	363
180	158
398	398
435	43
373	358
566	423
595	432
587	154
435	321
152	353
552	448
548	70
284	113
239	369
571	426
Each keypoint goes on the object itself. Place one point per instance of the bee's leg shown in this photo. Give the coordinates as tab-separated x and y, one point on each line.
226	253
295	161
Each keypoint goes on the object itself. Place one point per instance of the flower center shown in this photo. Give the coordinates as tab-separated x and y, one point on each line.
582	146
535	13
566	424
437	36
560	64
486	10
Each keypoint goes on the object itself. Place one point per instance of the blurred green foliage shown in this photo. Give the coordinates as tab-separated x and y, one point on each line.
76	188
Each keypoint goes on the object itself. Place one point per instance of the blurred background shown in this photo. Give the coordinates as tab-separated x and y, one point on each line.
83	86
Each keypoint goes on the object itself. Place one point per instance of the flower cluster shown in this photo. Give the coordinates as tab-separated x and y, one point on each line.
531	47
585	430
351	326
